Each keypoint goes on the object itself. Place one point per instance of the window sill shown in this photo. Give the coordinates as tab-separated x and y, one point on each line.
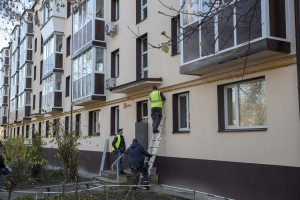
175	54
180	132
243	130
141	21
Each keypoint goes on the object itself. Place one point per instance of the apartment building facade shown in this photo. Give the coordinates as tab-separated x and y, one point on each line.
230	130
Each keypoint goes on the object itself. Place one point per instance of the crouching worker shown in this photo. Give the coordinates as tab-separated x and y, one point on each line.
136	159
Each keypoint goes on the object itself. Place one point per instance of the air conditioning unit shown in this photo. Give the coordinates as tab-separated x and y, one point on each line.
110	83
111	29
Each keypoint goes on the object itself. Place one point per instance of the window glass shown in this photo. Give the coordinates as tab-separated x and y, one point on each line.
96	121
100	8
183	111
144	9
89	10
58	82
29	42
252	104
117	63
28	97
190	7
89	61
75	21
28	71
144	110
99	60
83	13
245	105
75	69
59	43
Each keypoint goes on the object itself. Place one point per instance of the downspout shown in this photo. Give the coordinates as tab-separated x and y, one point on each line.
297	30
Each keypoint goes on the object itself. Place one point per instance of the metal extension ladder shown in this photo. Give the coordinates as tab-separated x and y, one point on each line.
154	146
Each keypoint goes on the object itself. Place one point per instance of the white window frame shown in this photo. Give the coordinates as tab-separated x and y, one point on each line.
96	127
143	7
187	112
117	16
117	118
237	116
117	64
143	116
144	53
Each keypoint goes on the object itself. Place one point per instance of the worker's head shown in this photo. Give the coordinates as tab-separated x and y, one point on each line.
154	87
135	140
120	131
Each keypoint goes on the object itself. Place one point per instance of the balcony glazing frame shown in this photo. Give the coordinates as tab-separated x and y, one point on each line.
265	25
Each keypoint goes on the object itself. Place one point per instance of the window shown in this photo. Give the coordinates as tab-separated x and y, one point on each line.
115	63
99	60
18	131
35	45
175	29
82	75
68	86
94	122
144	9
189	7
115	10
55	127
47	11
47	128
27	131
22	131
40	128
242	105
181	112
144	57
100	9
51	47
42	42
34	73
40	102
33	131
67	124
69	7
41	71
68	46
114	125
33	103
78	125
142	111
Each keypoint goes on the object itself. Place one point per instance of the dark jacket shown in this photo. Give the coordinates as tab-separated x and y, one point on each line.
2	165
122	145
136	155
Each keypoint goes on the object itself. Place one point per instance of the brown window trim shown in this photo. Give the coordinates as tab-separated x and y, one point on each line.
113	64
221	108
174	35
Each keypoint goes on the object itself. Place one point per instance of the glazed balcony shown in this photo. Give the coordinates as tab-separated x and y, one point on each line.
3	114
52	100
89	77
255	30
24	106
88	26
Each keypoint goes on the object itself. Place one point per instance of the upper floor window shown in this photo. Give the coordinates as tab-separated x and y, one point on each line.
94	125
26	24
24	46
99	60
15	40
47	11
114	119
144	57
175	29
83	15
100	9
142	111
190	11
82	69
115	10
14	62
115	63
52	46
144	9
243	105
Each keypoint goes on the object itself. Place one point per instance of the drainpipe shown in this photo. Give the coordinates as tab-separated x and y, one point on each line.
297	29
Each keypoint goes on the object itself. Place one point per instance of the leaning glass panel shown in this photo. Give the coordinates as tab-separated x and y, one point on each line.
99	60
100	9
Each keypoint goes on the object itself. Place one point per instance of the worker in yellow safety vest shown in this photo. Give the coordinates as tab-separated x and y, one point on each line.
157	98
118	148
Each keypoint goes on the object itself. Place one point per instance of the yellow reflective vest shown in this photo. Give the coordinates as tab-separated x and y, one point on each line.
117	143
155	99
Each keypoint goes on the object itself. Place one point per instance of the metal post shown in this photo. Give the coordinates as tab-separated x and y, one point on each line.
118	178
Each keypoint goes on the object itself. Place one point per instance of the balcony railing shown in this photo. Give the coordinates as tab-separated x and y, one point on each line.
218	38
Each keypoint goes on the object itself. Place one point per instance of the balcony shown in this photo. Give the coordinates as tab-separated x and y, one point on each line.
52	20
89	77
139	85
3	114
247	30
24	106
52	100
13	112
26	51
88	26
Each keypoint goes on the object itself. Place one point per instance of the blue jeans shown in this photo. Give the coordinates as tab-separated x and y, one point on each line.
121	161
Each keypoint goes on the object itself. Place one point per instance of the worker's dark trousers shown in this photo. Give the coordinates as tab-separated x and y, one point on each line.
156	114
136	175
